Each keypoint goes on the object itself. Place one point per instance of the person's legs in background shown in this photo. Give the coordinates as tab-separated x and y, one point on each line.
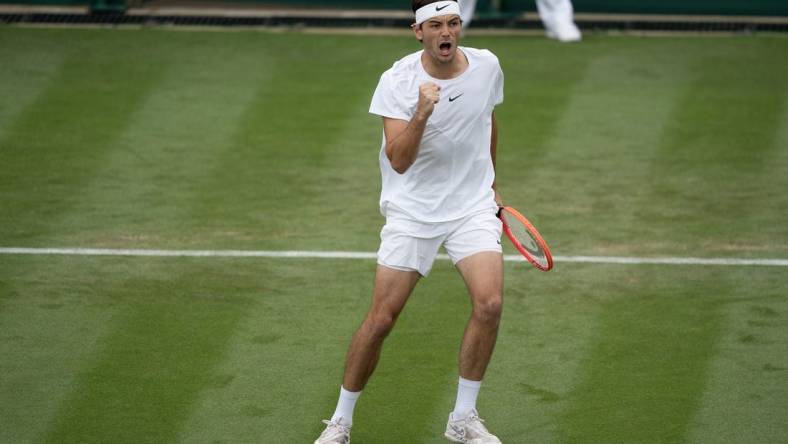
558	20
557	17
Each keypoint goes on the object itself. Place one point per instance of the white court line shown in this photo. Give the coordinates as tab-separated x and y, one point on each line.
366	255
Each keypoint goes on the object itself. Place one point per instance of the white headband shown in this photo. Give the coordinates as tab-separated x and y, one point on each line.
445	7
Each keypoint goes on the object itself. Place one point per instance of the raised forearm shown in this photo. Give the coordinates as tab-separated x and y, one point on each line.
404	138
403	149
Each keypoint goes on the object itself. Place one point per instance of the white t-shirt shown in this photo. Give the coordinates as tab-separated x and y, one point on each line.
453	173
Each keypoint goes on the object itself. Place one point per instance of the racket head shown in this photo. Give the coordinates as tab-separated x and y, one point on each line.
525	238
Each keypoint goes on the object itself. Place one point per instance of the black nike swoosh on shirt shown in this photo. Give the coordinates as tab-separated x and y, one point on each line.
438	8
451	99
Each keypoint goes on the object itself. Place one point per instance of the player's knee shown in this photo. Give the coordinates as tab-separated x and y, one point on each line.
489	309
380	325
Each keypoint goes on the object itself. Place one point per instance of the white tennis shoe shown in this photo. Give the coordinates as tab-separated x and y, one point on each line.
335	433
564	31
469	430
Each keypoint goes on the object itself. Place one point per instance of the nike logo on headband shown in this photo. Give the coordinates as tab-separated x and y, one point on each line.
431	10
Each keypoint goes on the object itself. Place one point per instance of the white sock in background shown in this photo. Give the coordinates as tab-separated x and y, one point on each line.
467	391
345	406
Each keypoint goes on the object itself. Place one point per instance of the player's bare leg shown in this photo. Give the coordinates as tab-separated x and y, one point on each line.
483	275
392	289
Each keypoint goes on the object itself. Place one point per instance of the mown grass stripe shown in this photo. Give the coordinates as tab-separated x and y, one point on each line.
60	141
162	148
629	391
166	153
644	374
745	398
371	255
49	327
707	187
50	149
29	66
159	353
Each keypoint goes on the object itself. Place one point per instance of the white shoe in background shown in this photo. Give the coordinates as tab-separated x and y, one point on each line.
564	31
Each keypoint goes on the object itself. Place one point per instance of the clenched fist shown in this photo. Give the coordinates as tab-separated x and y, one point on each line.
429	95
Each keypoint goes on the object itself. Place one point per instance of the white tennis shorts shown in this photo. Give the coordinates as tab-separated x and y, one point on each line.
410	245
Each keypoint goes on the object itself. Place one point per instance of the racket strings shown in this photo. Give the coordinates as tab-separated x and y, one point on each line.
523	236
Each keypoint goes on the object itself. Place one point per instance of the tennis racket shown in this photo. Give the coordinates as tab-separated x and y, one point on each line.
525	238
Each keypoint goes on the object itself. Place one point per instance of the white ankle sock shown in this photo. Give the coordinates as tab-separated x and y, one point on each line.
467	391
345	406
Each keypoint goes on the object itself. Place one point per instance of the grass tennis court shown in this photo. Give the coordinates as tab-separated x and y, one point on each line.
621	145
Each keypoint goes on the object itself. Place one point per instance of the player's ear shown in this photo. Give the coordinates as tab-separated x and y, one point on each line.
417	30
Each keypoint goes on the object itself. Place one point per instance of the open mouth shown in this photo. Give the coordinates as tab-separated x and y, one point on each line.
445	48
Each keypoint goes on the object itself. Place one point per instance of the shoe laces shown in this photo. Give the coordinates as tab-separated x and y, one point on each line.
476	423
335	427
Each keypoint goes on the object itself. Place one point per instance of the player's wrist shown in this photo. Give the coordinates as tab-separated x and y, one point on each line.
420	117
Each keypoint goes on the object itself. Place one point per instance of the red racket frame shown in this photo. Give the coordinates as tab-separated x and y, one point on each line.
537	237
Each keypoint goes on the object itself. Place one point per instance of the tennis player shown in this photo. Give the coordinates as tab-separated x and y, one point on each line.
437	163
